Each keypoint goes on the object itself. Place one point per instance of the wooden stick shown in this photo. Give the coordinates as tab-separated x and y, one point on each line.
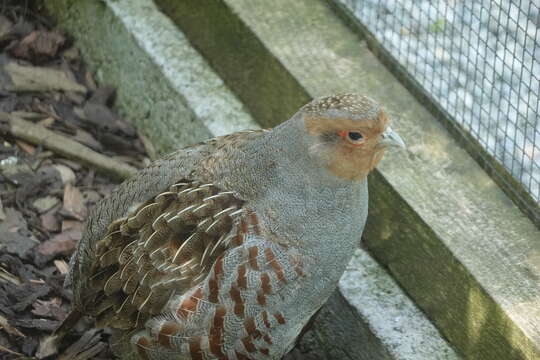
39	135
5	349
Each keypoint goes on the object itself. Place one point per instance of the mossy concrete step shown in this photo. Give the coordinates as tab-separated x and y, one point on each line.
371	318
165	87
172	94
464	252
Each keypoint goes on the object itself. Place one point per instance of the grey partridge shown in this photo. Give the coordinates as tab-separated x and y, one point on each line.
225	249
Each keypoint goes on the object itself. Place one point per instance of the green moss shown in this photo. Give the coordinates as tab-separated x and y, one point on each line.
440	285
260	81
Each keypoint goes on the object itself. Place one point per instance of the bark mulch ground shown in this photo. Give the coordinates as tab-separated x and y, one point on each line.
62	149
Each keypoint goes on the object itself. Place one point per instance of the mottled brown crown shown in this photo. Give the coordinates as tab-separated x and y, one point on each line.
352	106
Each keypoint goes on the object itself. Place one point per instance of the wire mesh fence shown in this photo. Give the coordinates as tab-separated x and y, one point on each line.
478	60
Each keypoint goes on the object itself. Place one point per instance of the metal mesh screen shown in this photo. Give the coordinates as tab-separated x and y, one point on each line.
478	60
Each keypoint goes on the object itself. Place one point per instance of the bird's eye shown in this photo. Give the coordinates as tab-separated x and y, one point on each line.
355	136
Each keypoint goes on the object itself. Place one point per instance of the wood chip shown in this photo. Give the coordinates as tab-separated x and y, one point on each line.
73	165
66	174
4	324
38	324
47	122
73	203
15	238
89	79
91	352
37	281
9	277
28	115
84	348
71	54
49	308
42	307
72	224
75	97
50	221
61	244
148	146
47	347
45	203
103	117
27	148
85	138
62	266
39	45
5	349
104	95
44	154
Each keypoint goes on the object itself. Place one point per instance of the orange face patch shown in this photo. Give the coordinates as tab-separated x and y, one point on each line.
351	159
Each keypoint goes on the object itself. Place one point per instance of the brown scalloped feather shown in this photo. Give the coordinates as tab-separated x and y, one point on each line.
164	247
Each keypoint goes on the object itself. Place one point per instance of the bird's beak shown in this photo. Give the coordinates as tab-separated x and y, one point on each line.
391	138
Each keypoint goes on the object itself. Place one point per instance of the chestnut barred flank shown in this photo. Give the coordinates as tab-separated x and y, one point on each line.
164	247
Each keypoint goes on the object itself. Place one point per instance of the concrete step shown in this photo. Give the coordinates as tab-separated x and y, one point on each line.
173	95
371	318
164	86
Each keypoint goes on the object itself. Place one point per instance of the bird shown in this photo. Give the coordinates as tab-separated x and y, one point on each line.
226	248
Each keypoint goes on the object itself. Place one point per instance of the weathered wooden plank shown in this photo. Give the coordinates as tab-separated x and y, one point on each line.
449	235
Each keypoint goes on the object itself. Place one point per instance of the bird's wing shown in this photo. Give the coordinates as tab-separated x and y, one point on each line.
164	247
141	188
239	308
193	274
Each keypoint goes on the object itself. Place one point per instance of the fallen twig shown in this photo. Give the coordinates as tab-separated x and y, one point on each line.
39	135
4	324
23	78
5	349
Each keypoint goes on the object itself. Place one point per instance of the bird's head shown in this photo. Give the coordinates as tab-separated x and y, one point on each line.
348	134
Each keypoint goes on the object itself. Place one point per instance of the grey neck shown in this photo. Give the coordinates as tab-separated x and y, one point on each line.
297	195
283	157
